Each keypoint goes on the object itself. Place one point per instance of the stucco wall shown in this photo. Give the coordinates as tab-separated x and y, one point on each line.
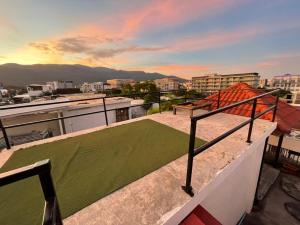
93	120
53	125
231	193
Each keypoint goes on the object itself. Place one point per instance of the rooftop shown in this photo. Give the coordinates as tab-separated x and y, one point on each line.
58	106
156	197
287	116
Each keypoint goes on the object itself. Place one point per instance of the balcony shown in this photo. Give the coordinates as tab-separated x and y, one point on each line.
153	197
132	172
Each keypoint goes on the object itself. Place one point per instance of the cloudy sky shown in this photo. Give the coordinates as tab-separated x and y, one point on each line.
176	37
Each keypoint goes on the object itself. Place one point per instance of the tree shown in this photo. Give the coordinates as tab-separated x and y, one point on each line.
126	89
194	94
147	91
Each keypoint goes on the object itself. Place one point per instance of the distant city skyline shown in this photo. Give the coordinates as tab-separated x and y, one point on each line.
172	37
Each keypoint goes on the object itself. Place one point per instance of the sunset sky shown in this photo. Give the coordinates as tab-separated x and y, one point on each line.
175	37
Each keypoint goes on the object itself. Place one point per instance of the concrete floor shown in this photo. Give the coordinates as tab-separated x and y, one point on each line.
271	211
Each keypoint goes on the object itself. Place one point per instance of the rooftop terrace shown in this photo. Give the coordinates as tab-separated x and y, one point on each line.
156	197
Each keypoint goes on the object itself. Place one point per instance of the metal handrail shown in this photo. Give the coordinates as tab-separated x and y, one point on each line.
4	128
52	215
195	151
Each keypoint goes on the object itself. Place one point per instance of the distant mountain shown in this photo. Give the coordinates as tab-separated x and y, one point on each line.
21	75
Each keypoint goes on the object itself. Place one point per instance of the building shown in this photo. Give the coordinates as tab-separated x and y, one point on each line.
214	82
188	85
118	83
60	84
119	110
227	172
92	87
263	83
37	90
167	84
287	116
288	82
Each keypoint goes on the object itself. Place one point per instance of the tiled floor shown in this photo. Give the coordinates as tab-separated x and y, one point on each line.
271	210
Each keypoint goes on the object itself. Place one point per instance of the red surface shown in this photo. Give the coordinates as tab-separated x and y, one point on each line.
200	216
192	219
287	116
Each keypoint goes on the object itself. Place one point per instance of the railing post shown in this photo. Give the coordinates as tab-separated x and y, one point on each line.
50	195
219	95
188	187
159	102
252	120
5	135
278	150
105	112
260	171
275	109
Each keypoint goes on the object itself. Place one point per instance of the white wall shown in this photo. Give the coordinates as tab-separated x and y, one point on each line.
53	125
231	193
92	120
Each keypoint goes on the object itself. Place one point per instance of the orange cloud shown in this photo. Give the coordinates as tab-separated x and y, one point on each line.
182	70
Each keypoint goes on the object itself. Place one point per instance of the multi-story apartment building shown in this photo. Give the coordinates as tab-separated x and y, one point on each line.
288	82
214	82
167	84
118	83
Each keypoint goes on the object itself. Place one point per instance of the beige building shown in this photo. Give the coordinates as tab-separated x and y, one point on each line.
167	84
288	82
118	83
92	87
214	82
264	83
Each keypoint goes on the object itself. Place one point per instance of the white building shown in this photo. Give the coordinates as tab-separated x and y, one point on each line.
287	82
36	90
119	110
60	84
93	87
167	84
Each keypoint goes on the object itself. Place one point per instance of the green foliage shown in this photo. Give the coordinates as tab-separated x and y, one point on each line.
147	91
194	94
152	111
126	89
168	105
180	92
113	92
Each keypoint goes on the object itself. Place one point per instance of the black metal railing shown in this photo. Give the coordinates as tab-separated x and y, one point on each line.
158	94
52	215
195	151
184	97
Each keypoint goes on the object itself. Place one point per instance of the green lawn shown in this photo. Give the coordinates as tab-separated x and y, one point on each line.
89	167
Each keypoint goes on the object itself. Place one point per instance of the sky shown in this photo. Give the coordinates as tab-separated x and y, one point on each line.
174	37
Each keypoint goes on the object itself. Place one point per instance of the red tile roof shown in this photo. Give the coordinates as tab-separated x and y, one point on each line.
287	116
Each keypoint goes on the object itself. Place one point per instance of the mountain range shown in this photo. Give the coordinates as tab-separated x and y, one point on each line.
22	75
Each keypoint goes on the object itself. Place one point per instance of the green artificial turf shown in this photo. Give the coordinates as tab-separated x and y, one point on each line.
89	167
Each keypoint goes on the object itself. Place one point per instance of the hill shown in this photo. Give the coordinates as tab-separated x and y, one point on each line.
21	75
